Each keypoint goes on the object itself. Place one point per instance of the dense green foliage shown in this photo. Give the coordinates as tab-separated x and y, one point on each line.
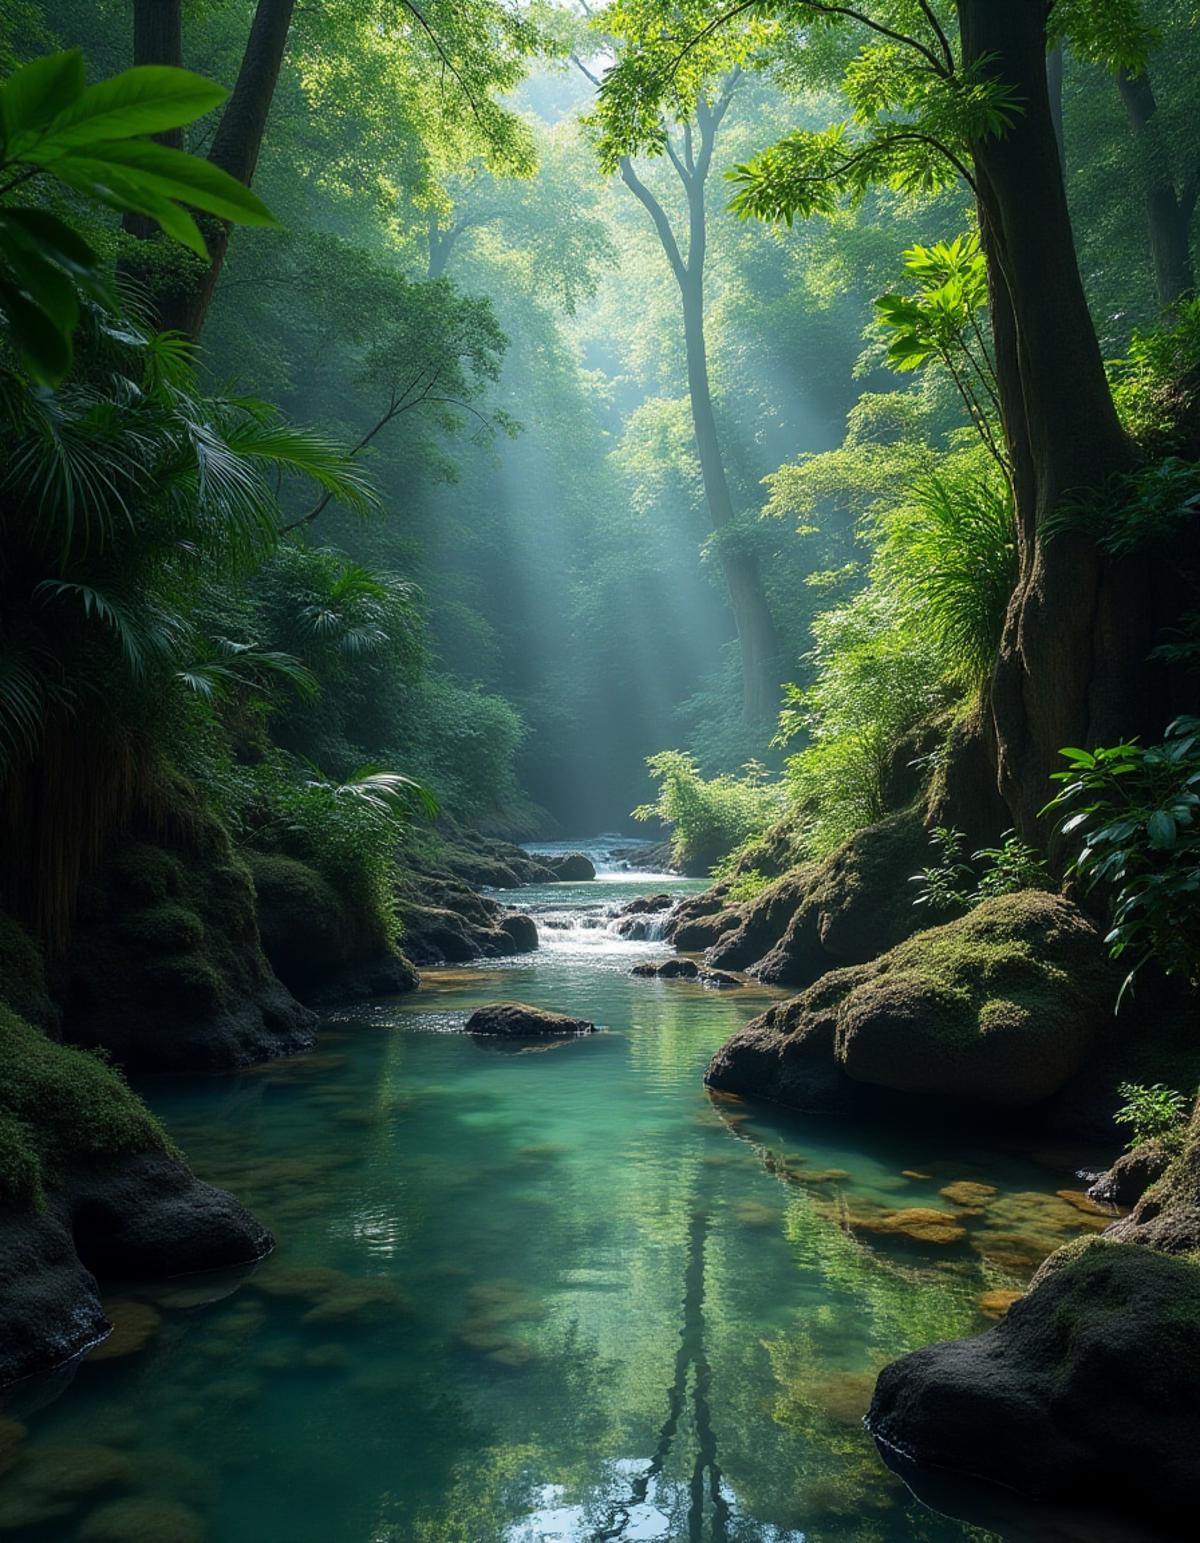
1133	812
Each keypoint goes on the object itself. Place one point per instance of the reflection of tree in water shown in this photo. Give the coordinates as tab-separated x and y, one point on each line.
692	1358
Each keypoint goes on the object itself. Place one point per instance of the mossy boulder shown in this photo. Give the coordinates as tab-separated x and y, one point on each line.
815	917
1167	1216
1001	1008
90	1184
23	976
445	921
855	904
1094	1373
317	941
567	867
166	970
517	1020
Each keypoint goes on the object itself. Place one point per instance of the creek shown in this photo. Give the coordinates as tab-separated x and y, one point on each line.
539	1293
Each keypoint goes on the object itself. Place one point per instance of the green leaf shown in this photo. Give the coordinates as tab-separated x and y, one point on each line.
171	174
57	240
35	94
44	349
147	99
1162	830
41	281
122	193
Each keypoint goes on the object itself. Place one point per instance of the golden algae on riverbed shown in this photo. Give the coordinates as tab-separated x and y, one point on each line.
134	1325
145	1519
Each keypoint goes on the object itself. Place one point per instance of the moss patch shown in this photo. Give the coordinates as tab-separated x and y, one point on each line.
61	1108
23	976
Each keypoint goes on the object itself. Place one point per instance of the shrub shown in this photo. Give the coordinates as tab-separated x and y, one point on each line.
708	818
874	677
1136	812
1155	1113
952	884
951	551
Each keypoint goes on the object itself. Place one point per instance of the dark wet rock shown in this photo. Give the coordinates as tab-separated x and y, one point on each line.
718	980
567	867
521	930
669	969
656	858
1094	1372
317	940
49	1303
517	1020
646	904
148	1218
166	971
446	921
815	917
1132	1174
761	922
90	1185
999	1008
1167	1216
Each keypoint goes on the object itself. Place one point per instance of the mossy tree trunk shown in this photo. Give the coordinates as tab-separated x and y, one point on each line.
1072	668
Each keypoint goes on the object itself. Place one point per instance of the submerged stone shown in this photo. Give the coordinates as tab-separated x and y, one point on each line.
134	1325
143	1519
969	1194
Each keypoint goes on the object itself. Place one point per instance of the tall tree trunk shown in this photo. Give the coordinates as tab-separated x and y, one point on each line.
157	39
1072	665
1055	69
235	149
752	616
1168	215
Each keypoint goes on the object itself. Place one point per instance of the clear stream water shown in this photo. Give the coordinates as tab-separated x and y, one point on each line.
540	1295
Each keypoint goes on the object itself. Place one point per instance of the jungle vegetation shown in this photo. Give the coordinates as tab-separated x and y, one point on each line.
499	409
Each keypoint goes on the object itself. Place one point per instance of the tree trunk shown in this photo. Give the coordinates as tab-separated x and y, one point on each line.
1055	65
235	149
157	39
752	616
1168	218
1072	665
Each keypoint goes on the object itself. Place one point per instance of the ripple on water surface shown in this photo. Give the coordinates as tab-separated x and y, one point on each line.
530	1295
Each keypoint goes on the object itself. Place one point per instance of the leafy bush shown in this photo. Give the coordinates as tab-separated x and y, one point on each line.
874	678
952	884
1155	1113
951	550
1155	386
708	819
348	830
1135	810
747	886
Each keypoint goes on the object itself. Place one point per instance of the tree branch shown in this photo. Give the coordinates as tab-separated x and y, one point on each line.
658	214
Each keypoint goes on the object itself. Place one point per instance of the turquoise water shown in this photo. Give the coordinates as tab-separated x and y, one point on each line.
541	1295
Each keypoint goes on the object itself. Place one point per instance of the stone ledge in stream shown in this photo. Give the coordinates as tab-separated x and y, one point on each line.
517	1020
567	867
687	969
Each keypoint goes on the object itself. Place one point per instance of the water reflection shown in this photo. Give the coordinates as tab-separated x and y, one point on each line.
560	1297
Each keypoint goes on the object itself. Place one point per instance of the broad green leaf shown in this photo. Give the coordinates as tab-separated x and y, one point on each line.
41	281
171	174
147	99
57	240
1161	829
35	94
44	349
116	189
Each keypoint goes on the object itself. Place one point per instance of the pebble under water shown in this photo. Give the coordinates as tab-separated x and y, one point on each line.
537	1294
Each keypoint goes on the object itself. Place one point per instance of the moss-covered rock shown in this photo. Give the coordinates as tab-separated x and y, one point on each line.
316	940
23	976
517	1020
1167	1216
90	1184
999	1008
166	970
445	921
1095	1371
856	904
